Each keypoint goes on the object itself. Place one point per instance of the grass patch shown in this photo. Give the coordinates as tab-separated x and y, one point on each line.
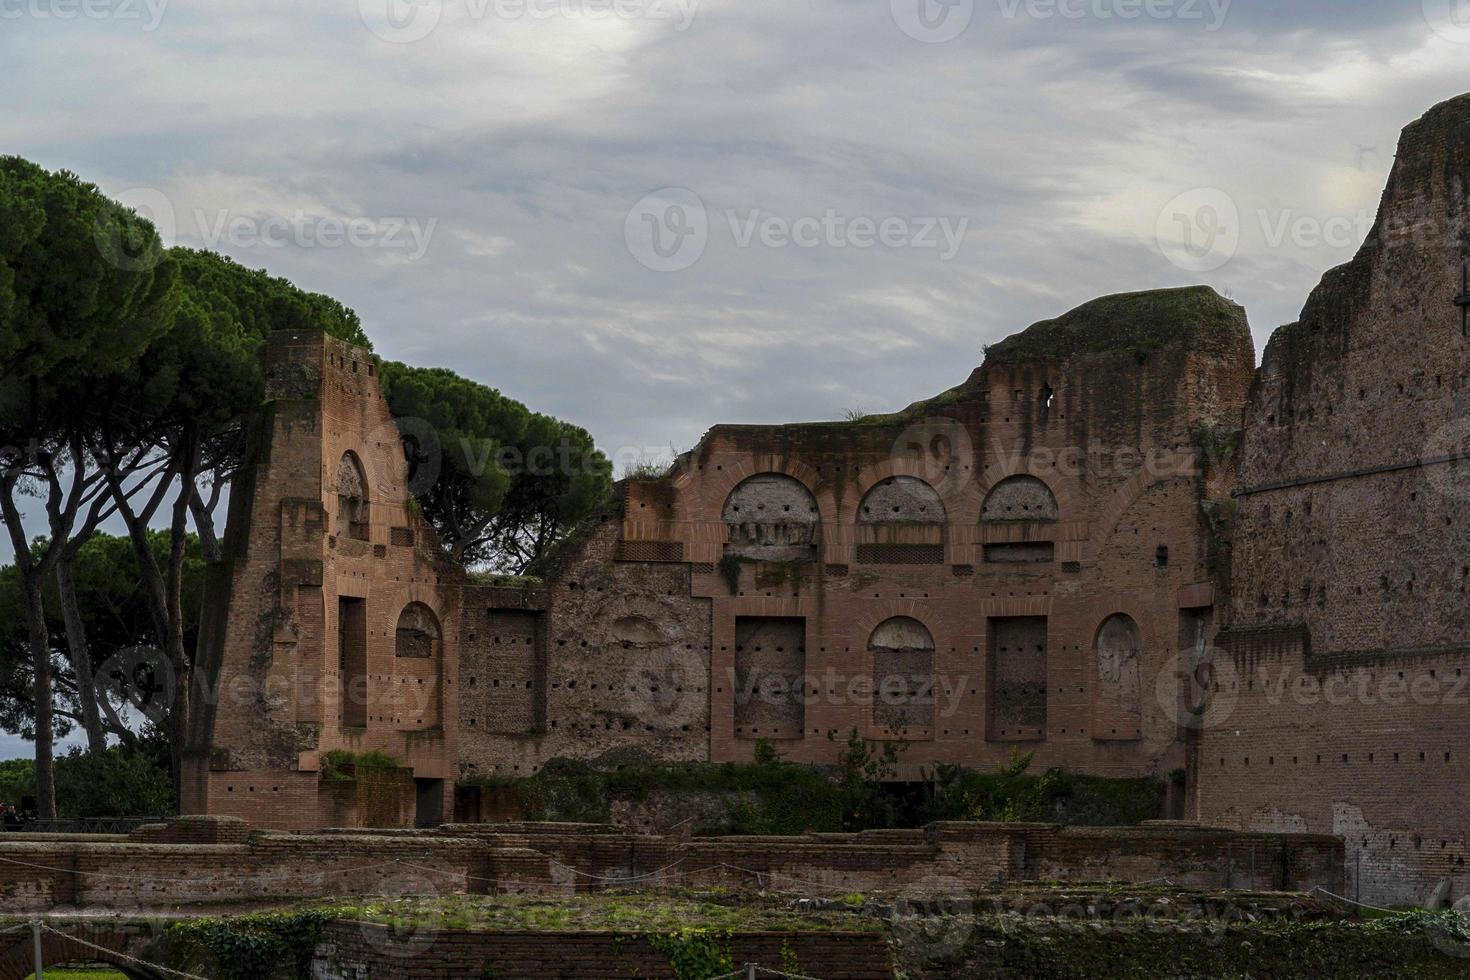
660	914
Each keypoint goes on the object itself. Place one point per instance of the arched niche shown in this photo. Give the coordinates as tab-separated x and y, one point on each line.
1020	498
1118	692
771	517
901	500
902	651
418	656
900	522
352	498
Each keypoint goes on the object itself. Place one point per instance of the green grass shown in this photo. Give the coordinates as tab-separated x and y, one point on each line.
627	912
67	973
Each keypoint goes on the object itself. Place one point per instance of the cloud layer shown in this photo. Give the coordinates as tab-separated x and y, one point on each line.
468	191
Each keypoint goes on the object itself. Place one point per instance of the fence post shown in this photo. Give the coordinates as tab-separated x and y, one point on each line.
36	948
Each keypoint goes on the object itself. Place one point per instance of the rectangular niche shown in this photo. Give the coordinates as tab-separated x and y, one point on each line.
1021	553
352	672
503	673
1017	679
770	661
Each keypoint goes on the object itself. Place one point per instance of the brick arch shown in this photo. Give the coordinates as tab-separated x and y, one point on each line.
17	962
1069	508
959	495
1180	467
351	473
714	486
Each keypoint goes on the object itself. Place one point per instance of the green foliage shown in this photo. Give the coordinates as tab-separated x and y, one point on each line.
645	469
510	482
774	796
626	912
115	617
120	782
262	946
790	962
85	287
1414	944
1013	794
340	765
766	753
17	779
206	371
865	768
695	953
771	797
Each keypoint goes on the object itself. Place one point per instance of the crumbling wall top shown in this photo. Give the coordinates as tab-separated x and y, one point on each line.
1135	324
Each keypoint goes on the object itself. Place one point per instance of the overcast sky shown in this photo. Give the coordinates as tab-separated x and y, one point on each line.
851	197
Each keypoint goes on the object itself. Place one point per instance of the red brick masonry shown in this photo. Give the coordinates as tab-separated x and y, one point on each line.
132	872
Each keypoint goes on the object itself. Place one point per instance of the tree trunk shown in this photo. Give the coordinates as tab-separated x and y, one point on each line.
40	642
178	656
80	654
204	527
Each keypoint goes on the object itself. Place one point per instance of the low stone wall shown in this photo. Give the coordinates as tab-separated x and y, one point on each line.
973	853
351	950
146	871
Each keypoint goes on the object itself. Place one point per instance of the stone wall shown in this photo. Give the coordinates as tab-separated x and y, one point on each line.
302	620
139	873
608	655
352	950
1056	488
1339	686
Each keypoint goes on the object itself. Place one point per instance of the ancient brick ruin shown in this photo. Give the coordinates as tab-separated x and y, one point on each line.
1090	550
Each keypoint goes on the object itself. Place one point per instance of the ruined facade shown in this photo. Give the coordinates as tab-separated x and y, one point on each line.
1340	689
1000	567
333	622
1116	545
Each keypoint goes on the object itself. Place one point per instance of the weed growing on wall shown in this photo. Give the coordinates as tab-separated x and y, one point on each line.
261	946
695	954
773	796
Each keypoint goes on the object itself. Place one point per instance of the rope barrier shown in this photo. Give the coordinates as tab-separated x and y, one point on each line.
120	955
754	969
1344	898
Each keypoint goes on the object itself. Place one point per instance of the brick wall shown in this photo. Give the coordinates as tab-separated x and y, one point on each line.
139	872
778	524
270	632
352	950
1338	688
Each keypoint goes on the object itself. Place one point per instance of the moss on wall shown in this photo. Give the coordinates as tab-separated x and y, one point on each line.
1133	324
